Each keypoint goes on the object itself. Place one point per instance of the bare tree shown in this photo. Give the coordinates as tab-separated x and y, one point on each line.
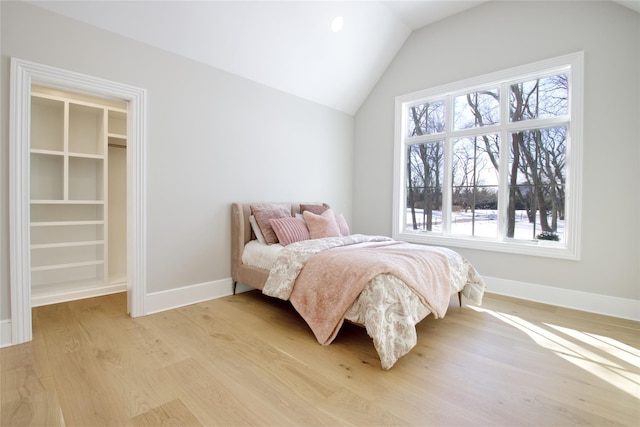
537	156
424	164
418	117
541	152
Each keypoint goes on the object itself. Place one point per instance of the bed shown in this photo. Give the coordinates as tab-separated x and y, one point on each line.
305	254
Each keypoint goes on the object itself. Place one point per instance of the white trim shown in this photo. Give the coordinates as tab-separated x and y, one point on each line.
137	203
23	75
5	333
584	301
187	295
573	205
19	262
54	297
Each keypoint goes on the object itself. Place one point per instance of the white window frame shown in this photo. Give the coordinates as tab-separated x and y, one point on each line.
573	66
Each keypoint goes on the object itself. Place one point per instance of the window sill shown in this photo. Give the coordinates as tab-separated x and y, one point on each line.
537	248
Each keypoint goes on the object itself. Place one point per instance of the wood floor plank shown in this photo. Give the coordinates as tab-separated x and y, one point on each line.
39	406
285	387
173	413
250	360
207	395
215	341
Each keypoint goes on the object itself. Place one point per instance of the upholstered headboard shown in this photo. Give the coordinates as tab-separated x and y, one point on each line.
241	234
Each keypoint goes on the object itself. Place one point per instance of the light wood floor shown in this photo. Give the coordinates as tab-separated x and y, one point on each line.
250	360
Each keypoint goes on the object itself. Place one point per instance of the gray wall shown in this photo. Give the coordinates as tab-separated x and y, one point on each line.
213	139
500	35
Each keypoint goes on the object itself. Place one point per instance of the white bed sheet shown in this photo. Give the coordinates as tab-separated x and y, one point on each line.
260	255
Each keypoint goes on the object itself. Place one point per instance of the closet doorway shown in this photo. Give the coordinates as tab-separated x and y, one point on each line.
78	204
77	192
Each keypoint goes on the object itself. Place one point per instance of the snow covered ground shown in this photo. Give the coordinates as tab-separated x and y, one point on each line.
485	224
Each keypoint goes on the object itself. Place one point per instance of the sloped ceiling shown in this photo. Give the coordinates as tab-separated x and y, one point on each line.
287	45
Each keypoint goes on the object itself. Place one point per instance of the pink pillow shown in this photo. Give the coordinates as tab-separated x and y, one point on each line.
342	225
316	209
323	225
264	213
290	230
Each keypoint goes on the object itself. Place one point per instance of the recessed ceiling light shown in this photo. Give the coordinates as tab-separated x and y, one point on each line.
336	24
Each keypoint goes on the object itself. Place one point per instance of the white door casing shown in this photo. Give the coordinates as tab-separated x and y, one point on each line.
23	75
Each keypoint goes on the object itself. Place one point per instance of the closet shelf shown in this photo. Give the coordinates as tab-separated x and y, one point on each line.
70	212
68	244
69	265
67	153
86	155
35	93
48	152
62	223
67	202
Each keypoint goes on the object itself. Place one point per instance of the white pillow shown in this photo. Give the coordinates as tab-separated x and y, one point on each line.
256	229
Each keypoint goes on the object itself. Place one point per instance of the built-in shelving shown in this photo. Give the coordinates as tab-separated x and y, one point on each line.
70	136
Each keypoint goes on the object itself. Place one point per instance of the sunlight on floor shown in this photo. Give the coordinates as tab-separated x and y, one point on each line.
608	359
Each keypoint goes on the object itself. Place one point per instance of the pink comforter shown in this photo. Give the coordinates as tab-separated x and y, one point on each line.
319	277
331	280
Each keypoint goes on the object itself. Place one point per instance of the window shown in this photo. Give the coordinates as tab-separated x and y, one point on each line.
493	162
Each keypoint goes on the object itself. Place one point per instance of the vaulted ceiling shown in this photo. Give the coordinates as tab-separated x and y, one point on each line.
287	45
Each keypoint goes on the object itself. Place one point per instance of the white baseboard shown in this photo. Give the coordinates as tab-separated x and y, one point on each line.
5	333
154	302
187	295
594	303
578	300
